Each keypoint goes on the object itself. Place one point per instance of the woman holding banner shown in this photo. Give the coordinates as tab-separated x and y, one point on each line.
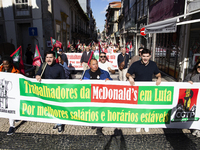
194	76
7	66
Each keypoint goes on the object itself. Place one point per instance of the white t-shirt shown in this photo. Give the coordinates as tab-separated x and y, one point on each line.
104	66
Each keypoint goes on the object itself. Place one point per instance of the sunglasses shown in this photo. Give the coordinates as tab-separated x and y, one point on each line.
102	56
198	66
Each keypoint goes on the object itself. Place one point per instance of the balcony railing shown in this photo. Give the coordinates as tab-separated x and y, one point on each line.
80	30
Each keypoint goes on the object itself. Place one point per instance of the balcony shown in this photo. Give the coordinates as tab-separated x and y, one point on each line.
112	20
22	9
78	31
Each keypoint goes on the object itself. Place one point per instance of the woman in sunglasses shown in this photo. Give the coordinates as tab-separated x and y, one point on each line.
194	76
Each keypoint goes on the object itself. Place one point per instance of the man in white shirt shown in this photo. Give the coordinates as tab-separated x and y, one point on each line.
104	64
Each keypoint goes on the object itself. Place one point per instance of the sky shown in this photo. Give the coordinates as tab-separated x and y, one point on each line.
99	10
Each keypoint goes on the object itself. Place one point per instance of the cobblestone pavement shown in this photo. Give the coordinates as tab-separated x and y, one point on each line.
36	135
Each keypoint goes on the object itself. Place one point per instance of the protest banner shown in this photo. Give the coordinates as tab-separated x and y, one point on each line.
74	60
100	103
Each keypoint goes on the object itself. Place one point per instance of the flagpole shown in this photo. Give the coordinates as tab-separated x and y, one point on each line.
83	74
43	70
41	59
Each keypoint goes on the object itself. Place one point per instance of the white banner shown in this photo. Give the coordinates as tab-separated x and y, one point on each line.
100	103
74	60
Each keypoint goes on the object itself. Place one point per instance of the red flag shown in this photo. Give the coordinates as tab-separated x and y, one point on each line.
37	57
77	44
68	45
90	58
17	60
127	47
131	45
55	43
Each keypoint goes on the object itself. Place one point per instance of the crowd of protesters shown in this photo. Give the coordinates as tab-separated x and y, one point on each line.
139	68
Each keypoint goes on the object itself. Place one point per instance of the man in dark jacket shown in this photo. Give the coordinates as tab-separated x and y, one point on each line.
123	57
85	57
52	71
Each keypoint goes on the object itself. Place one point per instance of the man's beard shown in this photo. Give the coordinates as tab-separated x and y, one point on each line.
144	62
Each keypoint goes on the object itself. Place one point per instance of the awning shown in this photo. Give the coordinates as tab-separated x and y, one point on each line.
193	5
165	26
169	25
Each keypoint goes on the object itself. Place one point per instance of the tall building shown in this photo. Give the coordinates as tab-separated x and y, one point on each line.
112	16
86	6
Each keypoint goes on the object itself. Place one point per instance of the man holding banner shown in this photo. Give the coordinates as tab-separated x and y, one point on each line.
52	70
143	70
95	73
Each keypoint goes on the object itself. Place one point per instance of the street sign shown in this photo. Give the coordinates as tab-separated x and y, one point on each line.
33	31
142	31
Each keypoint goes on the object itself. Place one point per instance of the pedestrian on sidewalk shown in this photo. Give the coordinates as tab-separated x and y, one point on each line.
51	71
122	61
8	67
192	77
143	70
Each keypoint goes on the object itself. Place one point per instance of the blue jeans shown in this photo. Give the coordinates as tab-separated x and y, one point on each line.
129	54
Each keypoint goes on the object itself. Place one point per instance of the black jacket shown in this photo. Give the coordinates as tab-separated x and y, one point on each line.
85	57
120	59
55	71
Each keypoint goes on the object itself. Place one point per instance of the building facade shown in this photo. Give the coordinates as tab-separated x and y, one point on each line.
174	35
63	20
171	28
112	16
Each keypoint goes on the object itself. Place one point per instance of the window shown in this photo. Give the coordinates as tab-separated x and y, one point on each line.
141	8
58	32
145	7
1	9
21	5
138	10
22	8
131	3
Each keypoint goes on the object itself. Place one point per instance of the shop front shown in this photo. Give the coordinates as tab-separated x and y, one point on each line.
167	53
194	43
